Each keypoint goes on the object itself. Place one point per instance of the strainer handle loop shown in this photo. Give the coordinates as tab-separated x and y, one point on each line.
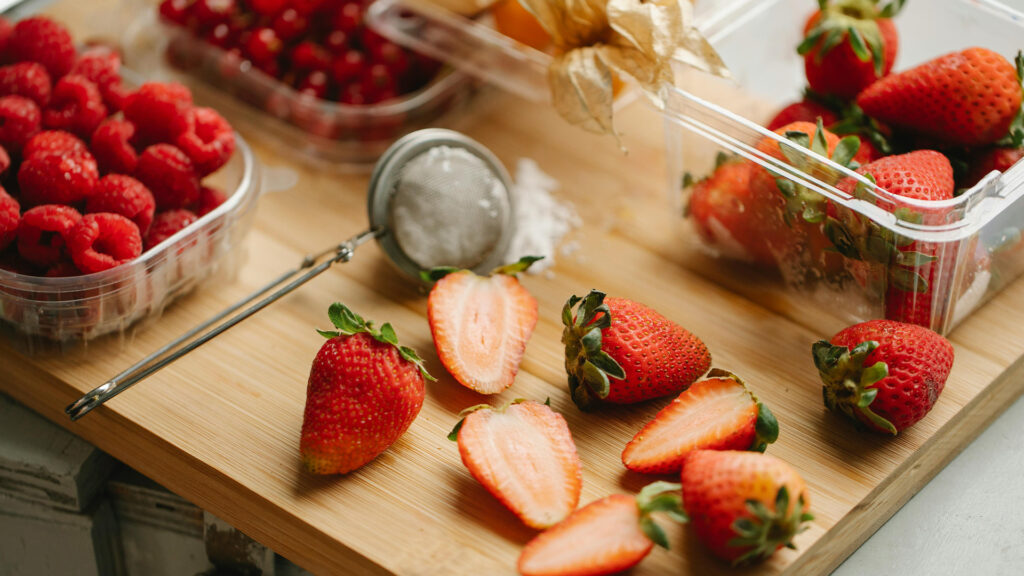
312	265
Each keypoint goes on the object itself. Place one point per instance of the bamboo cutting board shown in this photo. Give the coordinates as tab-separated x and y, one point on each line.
221	426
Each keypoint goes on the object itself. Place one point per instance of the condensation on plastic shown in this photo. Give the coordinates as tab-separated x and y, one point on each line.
756	39
328	134
40	314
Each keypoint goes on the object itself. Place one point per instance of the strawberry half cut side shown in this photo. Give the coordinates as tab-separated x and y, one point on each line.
606	536
481	324
719	413
524	455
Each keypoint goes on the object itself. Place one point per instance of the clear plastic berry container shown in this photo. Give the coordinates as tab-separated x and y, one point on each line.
327	134
42	314
972	243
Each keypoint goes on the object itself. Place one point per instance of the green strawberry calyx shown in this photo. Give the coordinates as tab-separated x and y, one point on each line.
588	366
802	201
849	385
349	323
766	427
660	497
454	434
853	21
764	530
435	274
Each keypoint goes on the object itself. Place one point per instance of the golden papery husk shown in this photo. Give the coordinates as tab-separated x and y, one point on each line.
597	39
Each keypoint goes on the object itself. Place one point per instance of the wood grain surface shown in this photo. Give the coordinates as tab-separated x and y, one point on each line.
221	427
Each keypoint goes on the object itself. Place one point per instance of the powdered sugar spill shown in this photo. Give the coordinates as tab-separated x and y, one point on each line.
540	219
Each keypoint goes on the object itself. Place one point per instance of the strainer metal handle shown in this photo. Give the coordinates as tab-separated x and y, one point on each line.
312	264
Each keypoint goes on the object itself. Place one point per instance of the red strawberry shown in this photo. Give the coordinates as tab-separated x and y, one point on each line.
848	45
967	98
913	268
718	205
884	374
805	110
524	455
606	536
743	506
364	391
787	216
481	324
619	351
719	413
991	159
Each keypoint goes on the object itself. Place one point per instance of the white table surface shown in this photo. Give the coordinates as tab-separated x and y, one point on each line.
969	520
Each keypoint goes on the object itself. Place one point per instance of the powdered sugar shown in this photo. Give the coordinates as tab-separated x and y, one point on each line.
541	221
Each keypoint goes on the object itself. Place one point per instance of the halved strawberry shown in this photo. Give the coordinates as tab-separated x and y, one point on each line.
604	537
524	455
481	324
719	413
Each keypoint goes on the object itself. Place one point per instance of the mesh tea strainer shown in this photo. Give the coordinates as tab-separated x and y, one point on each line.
436	198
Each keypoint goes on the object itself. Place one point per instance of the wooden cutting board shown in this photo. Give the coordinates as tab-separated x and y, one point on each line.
221	427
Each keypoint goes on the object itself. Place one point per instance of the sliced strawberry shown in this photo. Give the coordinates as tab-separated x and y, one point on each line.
604	537
719	413
525	456
481	324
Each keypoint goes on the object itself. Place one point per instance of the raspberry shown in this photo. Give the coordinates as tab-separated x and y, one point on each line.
10	216
57	178
169	175
43	40
102	241
43	233
111	144
6	29
102	66
124	195
19	120
5	160
28	79
210	143
76	106
167	224
54	142
209	199
159	111
62	269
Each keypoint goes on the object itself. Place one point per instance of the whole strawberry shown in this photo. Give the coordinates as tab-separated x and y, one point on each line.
915	271
364	391
884	374
619	351
718	206
743	506
848	45
967	98
806	110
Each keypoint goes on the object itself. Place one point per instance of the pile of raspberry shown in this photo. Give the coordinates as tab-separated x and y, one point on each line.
319	47
94	174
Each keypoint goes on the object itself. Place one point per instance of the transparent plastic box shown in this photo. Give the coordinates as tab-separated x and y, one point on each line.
328	134
933	262
40	314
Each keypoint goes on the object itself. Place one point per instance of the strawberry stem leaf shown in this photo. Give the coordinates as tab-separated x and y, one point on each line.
766	529
660	497
850	387
766	428
586	364
435	274
521	266
348	323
